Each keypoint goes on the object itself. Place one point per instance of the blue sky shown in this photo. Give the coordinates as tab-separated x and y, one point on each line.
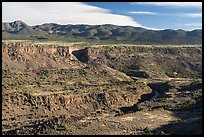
150	15
160	17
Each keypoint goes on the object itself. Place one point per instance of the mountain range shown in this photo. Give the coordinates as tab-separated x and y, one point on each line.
99	33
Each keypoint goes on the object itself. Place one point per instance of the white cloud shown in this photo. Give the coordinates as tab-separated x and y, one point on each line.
54	11
143	12
172	4
193	24
189	15
34	13
192	15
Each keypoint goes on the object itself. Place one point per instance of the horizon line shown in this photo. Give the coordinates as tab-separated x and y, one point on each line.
147	28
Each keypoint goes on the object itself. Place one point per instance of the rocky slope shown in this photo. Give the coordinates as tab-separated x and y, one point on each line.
41	81
151	61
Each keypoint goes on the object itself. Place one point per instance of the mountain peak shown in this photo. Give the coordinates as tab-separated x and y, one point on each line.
18	23
14	26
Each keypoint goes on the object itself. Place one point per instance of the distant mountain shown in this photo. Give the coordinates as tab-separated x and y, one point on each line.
20	30
108	32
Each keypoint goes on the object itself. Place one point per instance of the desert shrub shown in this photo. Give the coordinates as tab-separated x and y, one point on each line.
66	127
55	127
162	133
18	125
148	131
59	122
174	74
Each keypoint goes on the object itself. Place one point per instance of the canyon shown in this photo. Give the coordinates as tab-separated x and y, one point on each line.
83	88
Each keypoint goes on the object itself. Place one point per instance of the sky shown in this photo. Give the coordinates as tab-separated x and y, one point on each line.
150	15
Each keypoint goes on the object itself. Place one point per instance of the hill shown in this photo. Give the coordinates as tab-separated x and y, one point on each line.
99	33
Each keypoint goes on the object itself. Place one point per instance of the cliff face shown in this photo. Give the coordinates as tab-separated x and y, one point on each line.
29	56
22	105
136	61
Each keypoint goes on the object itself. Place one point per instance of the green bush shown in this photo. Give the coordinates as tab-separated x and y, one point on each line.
148	131
55	127
162	133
